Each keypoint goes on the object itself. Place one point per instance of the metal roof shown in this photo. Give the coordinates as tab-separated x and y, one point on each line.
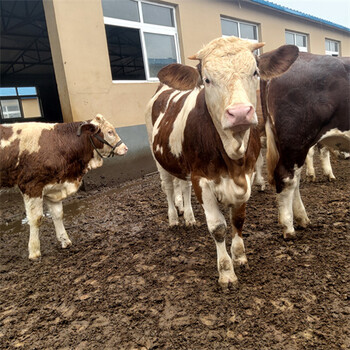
299	14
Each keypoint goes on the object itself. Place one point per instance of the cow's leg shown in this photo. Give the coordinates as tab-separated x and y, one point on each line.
259	179
56	211
217	227
326	163
309	162
167	181
299	211
186	187
179	200
285	198
237	215
34	211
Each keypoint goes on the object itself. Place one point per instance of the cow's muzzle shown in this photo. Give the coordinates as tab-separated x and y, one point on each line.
239	117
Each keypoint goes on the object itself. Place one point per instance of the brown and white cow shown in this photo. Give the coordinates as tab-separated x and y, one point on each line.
206	135
48	161
306	105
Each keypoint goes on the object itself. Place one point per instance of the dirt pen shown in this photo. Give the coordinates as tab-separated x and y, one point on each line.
130	282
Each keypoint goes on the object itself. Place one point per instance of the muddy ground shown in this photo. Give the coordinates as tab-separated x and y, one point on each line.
130	282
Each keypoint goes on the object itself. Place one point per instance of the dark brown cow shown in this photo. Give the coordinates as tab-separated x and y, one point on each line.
308	104
206	135
48	162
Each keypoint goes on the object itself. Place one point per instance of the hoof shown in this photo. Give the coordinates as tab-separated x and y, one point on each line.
303	223
35	256
173	223
242	261
331	178
311	178
228	283
66	244
190	223
289	235
242	267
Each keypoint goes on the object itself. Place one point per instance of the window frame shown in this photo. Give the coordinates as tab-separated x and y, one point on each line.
301	48
332	53
19	97
147	28
239	22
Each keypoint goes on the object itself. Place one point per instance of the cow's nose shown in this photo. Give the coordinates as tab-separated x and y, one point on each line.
122	149
239	114
239	111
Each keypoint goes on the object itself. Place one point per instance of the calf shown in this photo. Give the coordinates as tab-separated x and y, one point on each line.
202	129
48	161
308	104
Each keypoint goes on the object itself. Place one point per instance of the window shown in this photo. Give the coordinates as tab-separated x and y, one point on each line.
242	30
297	39
332	47
142	38
19	102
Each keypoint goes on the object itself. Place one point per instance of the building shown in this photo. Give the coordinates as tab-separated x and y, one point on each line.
66	60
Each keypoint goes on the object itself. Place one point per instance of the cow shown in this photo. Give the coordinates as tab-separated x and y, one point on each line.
47	163
202	129
306	105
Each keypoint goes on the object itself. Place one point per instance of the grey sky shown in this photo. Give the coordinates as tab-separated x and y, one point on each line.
336	11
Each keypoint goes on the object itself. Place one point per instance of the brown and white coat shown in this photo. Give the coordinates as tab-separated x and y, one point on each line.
202	131
47	162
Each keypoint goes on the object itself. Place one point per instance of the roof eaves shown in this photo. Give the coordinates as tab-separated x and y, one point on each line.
299	14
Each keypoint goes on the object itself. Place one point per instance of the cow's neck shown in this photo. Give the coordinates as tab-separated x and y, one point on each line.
81	146
235	145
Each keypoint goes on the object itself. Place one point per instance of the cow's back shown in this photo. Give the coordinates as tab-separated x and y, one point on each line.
17	142
33	155
314	95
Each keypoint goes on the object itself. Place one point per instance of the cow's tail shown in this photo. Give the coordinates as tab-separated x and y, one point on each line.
272	154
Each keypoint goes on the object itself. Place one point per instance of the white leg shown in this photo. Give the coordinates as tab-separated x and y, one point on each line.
285	207
168	189
34	211
237	216
298	207
309	162
259	179
56	210
178	195
186	187
326	163
217	227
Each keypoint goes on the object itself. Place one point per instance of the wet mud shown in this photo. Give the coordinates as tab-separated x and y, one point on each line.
131	282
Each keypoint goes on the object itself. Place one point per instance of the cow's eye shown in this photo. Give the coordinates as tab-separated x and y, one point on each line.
207	81
110	132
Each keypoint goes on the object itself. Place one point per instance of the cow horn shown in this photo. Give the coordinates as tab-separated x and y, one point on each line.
255	46
193	57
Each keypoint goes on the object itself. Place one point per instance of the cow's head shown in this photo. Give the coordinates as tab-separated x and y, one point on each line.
230	72
103	137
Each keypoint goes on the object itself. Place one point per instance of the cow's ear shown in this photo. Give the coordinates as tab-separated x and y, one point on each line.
274	63
87	128
179	76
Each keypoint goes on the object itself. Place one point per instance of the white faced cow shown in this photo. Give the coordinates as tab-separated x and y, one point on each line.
48	161
207	135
